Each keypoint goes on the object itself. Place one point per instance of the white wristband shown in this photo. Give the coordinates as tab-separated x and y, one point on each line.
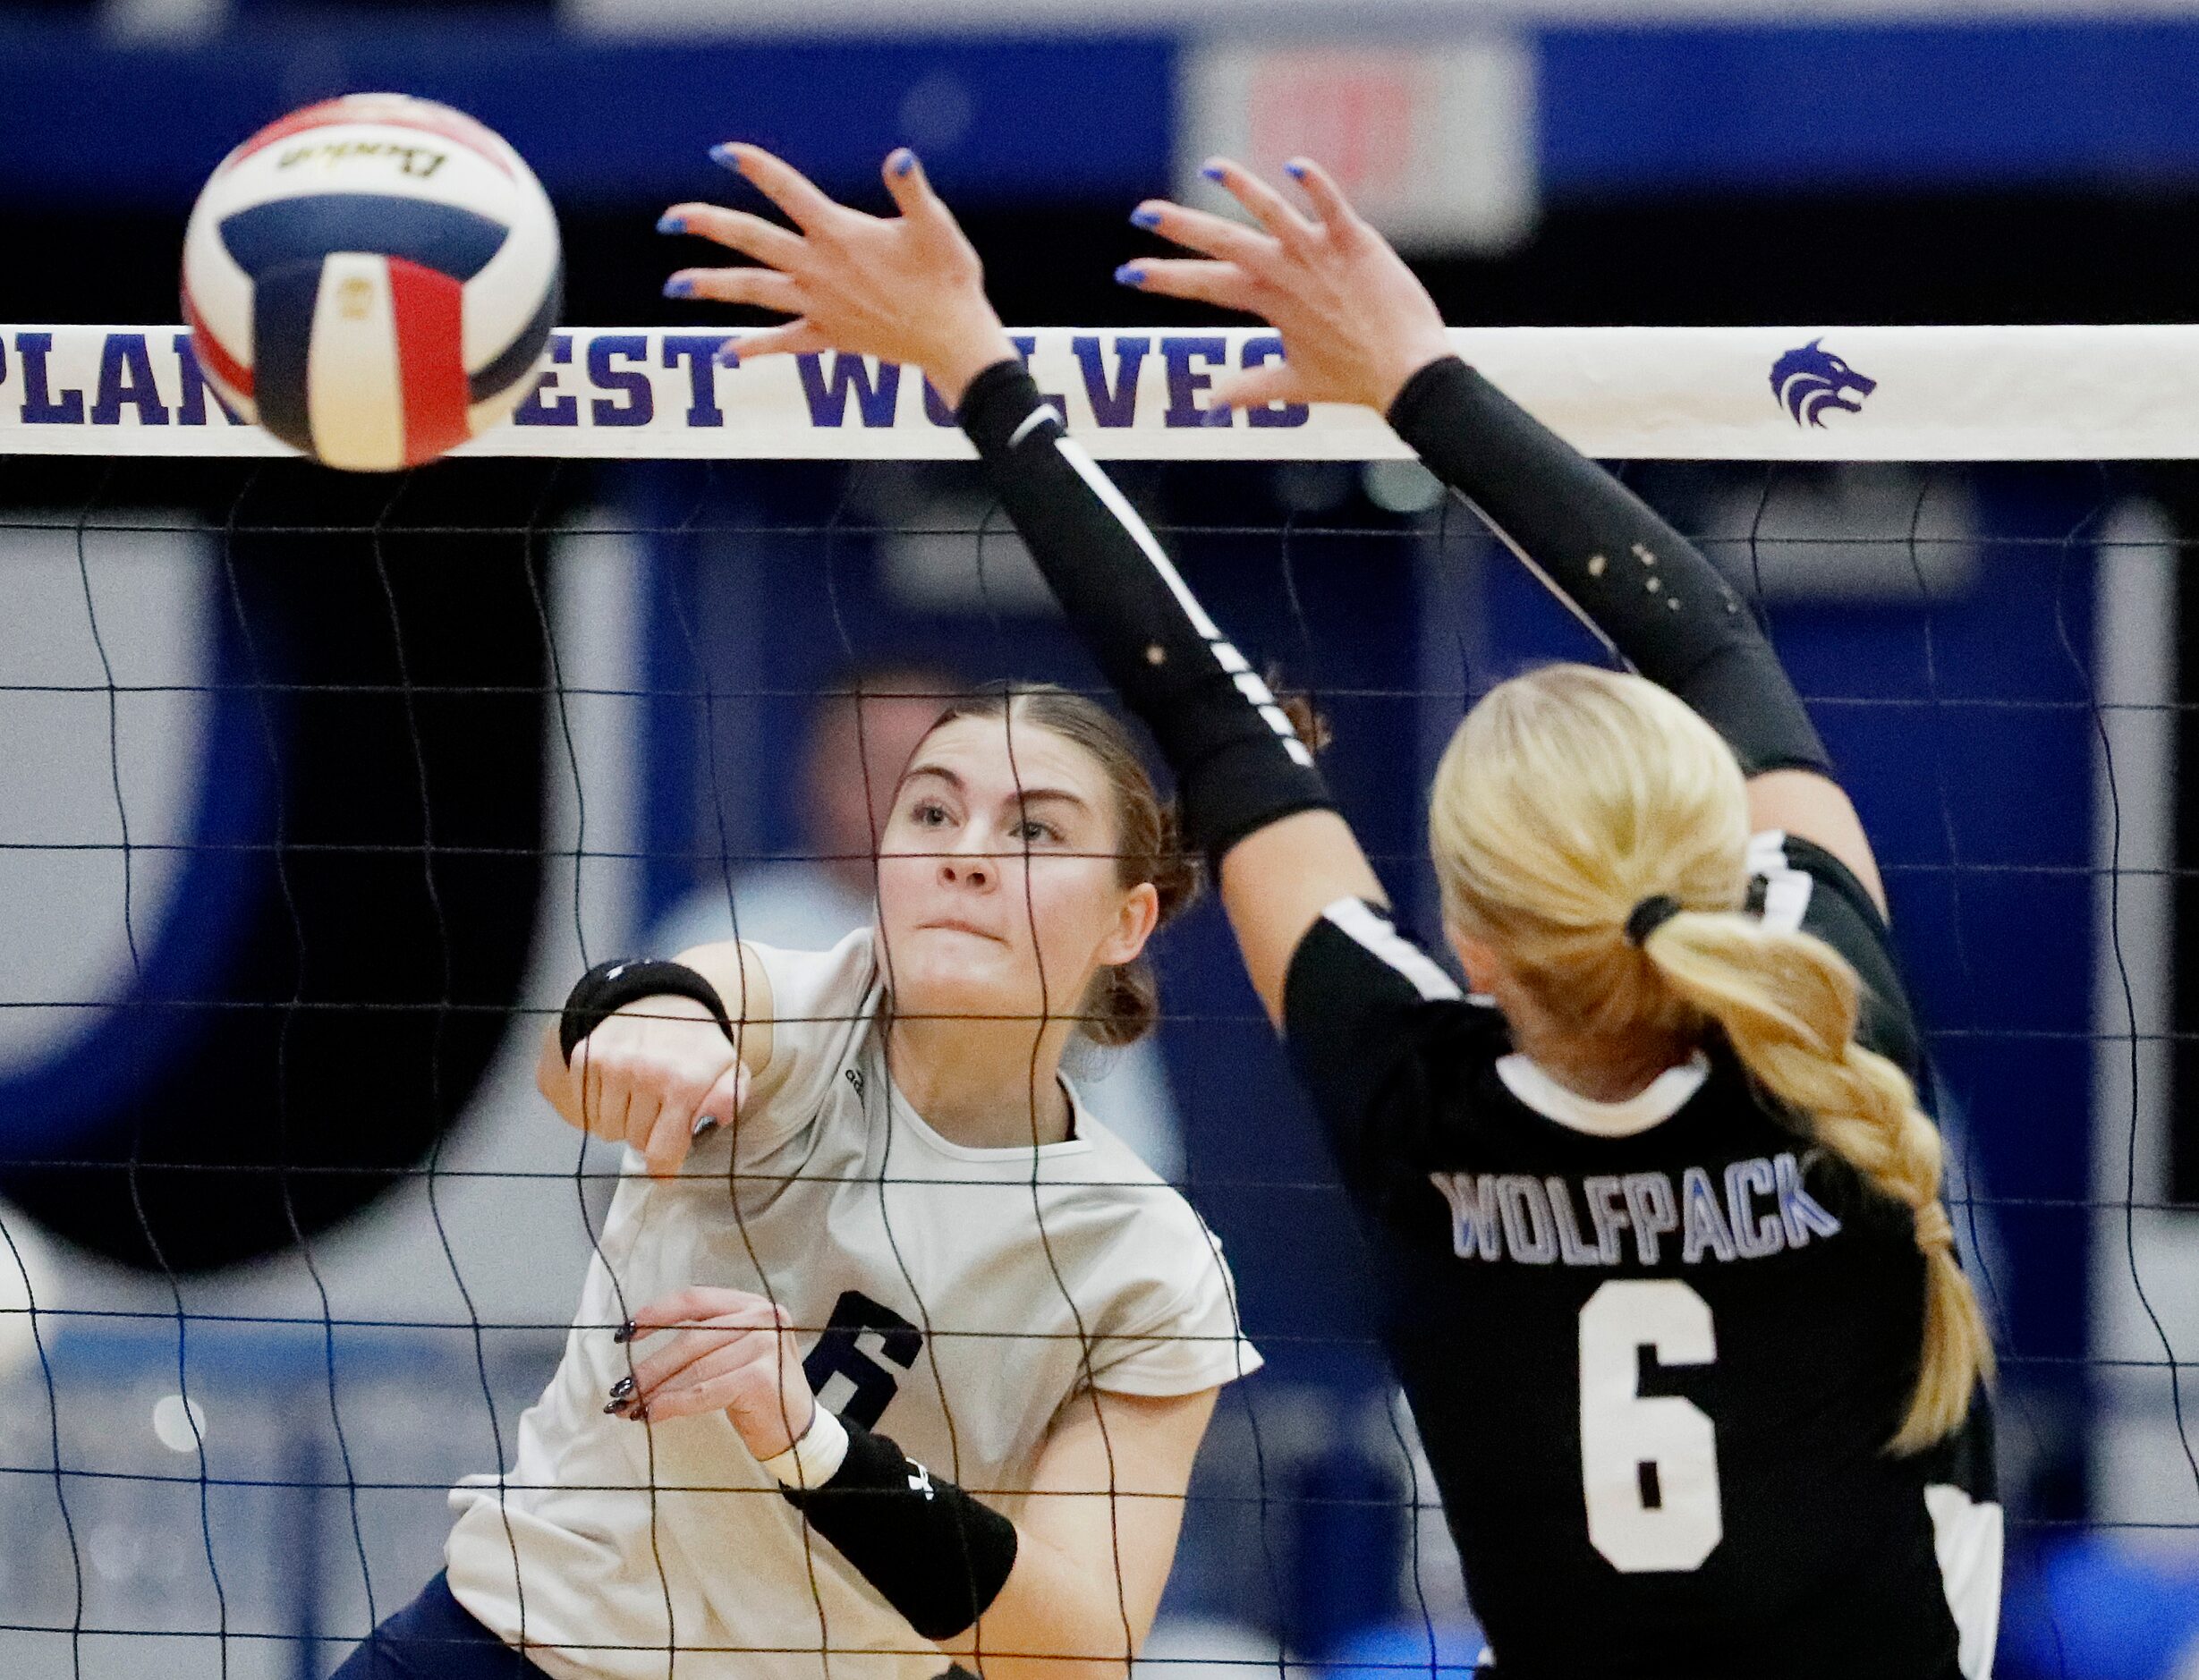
816	1458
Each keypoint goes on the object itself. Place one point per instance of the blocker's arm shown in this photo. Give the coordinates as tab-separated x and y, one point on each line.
1252	800
1358	326
909	289
1649	591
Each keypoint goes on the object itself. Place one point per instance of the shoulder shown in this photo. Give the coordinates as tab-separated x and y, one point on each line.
1163	1306
1358	985
1788	873
812	1004
1376	1028
1144	1222
1798	884
807	983
1117	1175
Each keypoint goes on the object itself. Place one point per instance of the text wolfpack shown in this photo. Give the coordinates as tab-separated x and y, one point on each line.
1755	1207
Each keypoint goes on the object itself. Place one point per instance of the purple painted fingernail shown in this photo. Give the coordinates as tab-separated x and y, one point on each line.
671	224
679	286
1144	217
1296	169
724	154
1220	414
1130	275
902	161
1212	172
728	356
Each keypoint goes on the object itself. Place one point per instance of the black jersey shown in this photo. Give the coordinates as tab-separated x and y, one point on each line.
1655	1349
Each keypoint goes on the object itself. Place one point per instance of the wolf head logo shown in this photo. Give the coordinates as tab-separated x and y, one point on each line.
1811	380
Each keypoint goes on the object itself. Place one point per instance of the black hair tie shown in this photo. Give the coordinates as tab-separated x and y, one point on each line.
1651	914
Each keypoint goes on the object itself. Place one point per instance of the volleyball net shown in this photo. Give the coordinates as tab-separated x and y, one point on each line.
319	790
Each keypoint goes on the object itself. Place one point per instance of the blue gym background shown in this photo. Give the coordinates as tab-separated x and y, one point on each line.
369	864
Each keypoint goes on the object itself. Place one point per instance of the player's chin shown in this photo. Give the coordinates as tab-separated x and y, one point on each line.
941	972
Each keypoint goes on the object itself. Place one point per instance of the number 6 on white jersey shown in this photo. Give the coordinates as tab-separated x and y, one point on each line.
1649	1465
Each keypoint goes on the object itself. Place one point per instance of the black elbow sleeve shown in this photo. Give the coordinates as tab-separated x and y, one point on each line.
1238	762
1601	548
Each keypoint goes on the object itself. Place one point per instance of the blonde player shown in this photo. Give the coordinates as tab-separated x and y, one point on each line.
1665	1269
890	1353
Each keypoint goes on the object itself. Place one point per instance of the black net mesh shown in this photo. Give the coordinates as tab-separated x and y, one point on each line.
320	792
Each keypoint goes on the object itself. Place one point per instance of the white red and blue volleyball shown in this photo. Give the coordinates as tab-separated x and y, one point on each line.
373	279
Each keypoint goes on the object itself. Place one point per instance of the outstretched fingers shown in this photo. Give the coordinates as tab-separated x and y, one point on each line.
736	229
764	288
1221	283
805	204
911	189
1336	210
791	338
1268	207
1205	232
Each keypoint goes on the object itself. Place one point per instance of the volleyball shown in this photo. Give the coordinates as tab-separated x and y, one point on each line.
372	279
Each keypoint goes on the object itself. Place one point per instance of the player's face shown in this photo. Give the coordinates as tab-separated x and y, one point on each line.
994	872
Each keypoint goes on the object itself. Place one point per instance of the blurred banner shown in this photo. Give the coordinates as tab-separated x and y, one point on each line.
1454	123
1433	140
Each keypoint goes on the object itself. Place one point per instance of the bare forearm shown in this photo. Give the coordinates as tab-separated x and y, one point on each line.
1094	1543
1059	1617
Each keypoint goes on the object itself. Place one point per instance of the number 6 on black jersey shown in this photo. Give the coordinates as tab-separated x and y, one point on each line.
1649	1463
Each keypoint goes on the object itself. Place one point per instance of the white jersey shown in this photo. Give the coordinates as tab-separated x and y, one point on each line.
621	1551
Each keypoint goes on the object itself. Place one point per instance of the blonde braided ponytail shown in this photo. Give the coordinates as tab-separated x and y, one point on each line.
1788	1005
1570	795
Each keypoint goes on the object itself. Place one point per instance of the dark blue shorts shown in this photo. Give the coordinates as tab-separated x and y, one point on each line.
434	1638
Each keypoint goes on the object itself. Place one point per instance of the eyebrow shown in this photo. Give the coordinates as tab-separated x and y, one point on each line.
1033	795
939	770
1030	795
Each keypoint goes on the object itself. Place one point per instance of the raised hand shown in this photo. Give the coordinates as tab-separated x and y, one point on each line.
722	1350
908	288
1357	323
650	1076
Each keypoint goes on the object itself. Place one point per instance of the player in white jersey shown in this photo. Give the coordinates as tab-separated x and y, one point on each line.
878	1308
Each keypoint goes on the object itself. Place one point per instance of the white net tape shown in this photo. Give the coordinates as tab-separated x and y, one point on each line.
1710	393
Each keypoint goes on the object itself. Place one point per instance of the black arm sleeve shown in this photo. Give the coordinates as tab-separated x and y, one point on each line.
1239	765
1601	548
934	1553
